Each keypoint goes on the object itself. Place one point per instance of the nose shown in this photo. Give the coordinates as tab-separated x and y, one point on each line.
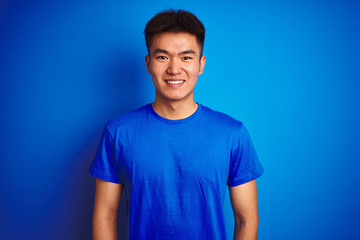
174	67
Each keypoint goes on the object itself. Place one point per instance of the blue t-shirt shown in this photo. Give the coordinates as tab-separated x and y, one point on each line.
175	172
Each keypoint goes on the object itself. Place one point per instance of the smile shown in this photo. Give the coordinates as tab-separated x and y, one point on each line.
174	81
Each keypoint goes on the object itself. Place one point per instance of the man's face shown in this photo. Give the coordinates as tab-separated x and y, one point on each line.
175	64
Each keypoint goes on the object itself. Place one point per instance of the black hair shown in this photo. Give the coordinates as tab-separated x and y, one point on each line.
174	21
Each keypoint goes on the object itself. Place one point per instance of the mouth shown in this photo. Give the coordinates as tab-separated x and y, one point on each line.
174	82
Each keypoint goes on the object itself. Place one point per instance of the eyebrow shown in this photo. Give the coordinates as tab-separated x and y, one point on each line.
159	50
188	52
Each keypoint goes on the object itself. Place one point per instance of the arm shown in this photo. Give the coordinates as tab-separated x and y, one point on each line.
245	207
107	199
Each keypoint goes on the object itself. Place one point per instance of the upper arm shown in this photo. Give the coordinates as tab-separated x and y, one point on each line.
244	201
107	198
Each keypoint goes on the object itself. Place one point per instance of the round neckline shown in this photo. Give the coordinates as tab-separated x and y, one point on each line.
178	121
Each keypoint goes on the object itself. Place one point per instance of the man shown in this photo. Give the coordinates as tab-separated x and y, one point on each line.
174	158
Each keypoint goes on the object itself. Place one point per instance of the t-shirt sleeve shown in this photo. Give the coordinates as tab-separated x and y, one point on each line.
244	162
104	164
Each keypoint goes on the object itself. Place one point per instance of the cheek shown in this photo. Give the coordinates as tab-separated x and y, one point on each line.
155	69
192	69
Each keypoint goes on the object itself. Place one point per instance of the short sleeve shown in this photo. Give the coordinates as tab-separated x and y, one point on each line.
244	162
104	164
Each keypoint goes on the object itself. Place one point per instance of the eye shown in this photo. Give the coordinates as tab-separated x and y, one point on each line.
161	57
187	58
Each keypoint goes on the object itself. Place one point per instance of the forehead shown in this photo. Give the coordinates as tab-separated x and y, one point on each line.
175	42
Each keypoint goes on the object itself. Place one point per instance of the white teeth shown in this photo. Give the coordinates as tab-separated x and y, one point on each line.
175	82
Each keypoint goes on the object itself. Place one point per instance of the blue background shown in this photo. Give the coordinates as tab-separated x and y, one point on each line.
289	70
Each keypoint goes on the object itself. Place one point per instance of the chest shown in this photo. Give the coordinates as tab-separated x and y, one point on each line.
177	154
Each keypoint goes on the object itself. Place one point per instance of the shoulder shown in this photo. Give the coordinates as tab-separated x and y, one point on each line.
221	119
127	120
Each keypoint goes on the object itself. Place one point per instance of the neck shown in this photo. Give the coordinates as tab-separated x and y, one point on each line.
174	110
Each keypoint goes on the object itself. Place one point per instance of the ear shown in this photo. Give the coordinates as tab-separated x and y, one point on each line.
147	61
202	64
